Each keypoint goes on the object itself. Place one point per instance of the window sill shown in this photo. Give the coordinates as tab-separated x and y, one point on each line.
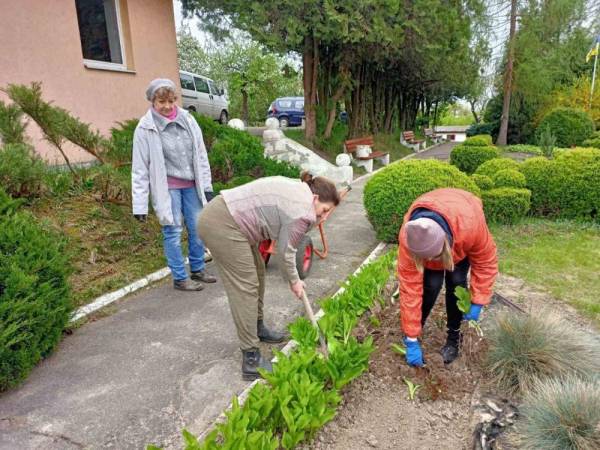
98	65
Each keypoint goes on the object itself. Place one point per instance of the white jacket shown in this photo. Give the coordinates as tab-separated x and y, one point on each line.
149	174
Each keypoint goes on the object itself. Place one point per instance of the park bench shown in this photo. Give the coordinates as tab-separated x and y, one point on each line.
408	139
430	133
351	147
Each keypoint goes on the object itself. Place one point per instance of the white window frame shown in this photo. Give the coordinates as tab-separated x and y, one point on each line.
103	65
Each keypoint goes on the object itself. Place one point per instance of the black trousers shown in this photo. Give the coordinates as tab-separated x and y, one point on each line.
433	281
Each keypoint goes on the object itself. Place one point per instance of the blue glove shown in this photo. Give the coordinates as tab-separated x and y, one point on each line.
473	313
209	195
414	355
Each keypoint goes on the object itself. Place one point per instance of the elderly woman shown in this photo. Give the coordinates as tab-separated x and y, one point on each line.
235	222
444	235
170	163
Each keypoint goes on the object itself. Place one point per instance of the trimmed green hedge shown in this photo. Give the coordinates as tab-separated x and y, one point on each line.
506	205
390	192
479	140
569	126
483	181
509	178
34	293
491	167
567	186
469	157
523	148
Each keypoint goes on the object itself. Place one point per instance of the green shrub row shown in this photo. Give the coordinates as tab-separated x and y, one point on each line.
34	293
390	192
469	157
593	140
523	148
302	392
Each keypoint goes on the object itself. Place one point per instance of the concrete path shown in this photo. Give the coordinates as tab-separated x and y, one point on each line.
163	361
441	152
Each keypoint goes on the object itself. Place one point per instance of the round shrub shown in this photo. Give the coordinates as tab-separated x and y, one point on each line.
567	186
480	140
483	182
509	178
469	157
561	414
491	167
390	192
569	126
506	205
34	294
524	348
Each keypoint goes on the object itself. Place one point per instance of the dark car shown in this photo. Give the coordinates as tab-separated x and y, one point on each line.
288	110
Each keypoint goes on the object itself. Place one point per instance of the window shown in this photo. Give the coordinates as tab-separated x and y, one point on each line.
285	103
201	85
299	104
100	31
187	82
213	88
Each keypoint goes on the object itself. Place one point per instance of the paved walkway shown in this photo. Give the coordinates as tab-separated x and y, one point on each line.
441	152
163	361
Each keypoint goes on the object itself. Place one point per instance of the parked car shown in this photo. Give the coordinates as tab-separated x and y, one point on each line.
200	94
288	110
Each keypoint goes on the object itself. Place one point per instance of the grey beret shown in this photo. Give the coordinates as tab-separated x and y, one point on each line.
156	84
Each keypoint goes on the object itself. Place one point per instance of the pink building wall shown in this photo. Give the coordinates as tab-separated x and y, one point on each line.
39	41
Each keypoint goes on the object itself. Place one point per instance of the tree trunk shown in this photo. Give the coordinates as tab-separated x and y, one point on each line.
310	61
502	135
473	111
245	114
333	111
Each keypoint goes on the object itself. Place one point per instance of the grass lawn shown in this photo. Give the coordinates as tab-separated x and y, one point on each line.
109	248
562	257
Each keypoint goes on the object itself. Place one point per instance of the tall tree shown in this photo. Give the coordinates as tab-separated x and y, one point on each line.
508	75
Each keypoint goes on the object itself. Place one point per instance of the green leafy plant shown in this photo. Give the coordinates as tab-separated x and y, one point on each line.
525	348
398	349
412	388
509	178
464	299
390	192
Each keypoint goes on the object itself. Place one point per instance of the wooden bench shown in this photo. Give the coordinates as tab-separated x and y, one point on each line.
350	147
408	139
430	133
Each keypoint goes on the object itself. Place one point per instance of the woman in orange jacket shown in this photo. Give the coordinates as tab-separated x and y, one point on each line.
444	234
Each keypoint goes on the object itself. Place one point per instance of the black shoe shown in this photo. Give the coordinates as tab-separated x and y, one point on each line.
187	285
251	362
203	277
449	351
269	336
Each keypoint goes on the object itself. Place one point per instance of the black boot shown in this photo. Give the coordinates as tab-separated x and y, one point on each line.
251	362
268	336
449	351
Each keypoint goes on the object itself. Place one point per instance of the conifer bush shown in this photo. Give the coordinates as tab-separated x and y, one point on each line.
569	126
22	172
390	192
34	293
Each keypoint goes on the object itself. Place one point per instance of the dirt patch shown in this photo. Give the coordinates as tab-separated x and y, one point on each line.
377	411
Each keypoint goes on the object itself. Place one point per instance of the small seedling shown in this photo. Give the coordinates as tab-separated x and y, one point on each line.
398	349
464	304
374	321
412	388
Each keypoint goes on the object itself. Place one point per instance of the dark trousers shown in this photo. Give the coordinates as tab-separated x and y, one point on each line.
432	285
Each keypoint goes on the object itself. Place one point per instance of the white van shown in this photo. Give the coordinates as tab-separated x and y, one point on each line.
200	94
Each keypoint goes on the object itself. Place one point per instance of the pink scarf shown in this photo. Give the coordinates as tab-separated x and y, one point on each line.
171	116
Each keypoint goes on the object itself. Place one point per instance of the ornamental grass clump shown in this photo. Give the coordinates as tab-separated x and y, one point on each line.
562	414
525	349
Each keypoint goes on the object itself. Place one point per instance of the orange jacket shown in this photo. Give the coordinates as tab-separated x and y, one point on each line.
470	239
